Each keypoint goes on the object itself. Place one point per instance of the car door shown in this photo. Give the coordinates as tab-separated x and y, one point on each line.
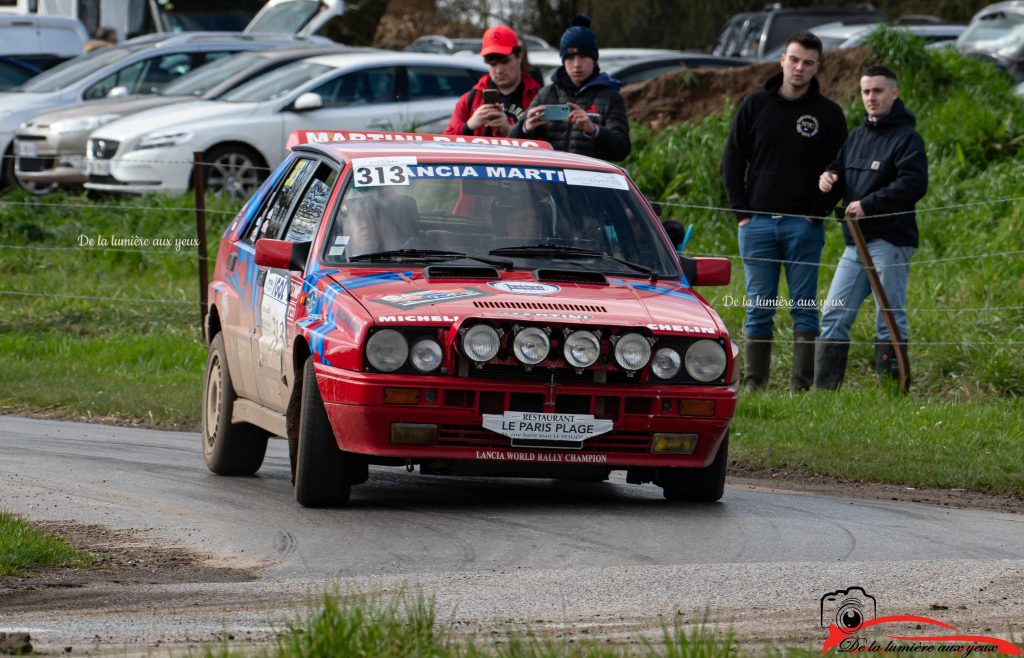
295	218
432	91
367	99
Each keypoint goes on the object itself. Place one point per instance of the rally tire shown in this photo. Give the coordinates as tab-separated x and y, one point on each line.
228	449
323	472
702	485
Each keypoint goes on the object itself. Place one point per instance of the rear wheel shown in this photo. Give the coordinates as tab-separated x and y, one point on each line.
233	169
697	484
323	472
229	449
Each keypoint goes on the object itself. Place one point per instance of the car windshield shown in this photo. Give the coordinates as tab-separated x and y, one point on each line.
78	68
287	17
1001	34
516	215
276	83
207	77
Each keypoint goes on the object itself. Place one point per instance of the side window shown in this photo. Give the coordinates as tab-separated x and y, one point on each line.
126	77
360	88
272	217
312	206
162	70
437	82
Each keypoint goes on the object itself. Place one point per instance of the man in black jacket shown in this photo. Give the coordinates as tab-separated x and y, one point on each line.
782	138
883	172
597	124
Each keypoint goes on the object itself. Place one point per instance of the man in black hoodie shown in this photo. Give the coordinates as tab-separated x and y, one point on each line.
882	171
597	124
782	138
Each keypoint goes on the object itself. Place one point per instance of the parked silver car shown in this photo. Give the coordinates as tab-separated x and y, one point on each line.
142	65
51	146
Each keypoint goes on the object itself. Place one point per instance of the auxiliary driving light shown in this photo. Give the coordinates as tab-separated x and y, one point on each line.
531	346
581	349
674	444
481	343
413	434
632	351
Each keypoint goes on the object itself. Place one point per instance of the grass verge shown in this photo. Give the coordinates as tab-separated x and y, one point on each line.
23	547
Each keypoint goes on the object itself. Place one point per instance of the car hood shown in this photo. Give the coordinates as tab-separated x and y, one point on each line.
173	117
403	298
122	106
16	108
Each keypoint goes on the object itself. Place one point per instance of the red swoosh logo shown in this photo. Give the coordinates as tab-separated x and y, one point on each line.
836	635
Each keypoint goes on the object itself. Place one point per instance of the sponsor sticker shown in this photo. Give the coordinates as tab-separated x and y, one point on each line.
525	287
596	179
682	328
569	429
540	457
416	298
415	319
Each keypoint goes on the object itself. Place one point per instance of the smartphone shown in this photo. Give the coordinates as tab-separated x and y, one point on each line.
556	112
491	97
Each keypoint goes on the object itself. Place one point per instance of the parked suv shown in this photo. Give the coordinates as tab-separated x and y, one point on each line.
996	33
143	65
754	34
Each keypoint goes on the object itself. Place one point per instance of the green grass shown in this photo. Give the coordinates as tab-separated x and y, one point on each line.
23	548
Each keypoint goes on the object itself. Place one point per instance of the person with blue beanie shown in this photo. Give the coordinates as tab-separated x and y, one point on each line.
597	124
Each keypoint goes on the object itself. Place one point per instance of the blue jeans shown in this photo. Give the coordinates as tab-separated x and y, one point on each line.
764	241
850	288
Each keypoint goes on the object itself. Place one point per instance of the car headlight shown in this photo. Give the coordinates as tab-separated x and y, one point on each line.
705	360
481	343
632	351
83	124
163	140
387	350
581	348
426	355
666	363
531	346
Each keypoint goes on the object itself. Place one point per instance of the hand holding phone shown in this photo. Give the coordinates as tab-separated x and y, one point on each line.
556	112
491	97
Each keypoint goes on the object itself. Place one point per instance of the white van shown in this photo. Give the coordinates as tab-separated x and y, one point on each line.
309	17
42	41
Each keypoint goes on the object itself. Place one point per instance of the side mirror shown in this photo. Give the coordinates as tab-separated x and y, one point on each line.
118	92
282	255
308	101
712	272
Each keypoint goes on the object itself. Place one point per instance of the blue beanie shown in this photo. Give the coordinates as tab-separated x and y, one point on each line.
578	39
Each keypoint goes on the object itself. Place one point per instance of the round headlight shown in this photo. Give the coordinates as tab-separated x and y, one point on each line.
481	343
666	363
387	350
531	346
581	349
425	355
705	360
632	351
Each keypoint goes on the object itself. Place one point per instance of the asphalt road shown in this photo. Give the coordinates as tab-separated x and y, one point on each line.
601	559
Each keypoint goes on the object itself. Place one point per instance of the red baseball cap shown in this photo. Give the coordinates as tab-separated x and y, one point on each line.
499	40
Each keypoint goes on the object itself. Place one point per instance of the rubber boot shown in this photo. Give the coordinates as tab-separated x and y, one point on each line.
886	365
801	377
830	363
757	361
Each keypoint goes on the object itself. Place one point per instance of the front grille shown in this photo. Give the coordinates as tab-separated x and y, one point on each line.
30	165
32	138
543	375
541	306
104	149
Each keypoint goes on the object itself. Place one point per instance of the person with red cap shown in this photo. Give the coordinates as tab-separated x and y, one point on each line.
504	57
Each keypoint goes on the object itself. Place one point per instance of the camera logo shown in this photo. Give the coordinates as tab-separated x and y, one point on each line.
847	608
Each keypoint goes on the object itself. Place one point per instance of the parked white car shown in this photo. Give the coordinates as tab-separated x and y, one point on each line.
243	133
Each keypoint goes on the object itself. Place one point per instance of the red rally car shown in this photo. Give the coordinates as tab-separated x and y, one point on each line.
473	306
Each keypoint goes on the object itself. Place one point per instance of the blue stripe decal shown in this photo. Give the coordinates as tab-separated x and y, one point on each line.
646	287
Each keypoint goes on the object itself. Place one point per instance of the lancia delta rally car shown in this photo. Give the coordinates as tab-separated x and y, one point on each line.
473	306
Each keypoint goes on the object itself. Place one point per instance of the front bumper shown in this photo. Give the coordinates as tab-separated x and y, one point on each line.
160	170
362	423
46	157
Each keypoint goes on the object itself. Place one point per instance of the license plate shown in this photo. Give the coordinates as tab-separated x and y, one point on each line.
546	430
97	167
27	149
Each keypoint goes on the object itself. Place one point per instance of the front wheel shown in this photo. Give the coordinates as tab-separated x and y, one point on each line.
705	485
323	472
233	170
229	449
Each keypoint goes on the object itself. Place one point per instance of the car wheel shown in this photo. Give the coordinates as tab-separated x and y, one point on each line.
323	472
229	449
10	178
233	170
697	484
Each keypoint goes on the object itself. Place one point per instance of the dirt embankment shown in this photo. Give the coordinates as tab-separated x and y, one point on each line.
689	95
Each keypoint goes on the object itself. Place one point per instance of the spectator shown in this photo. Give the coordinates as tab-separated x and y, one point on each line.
882	169
103	37
597	124
506	65
781	139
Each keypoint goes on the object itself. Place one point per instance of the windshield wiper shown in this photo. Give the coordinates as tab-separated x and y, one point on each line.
428	254
562	251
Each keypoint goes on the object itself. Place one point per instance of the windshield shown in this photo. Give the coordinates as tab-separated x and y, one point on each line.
78	68
288	17
207	77
1001	34
530	217
276	83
